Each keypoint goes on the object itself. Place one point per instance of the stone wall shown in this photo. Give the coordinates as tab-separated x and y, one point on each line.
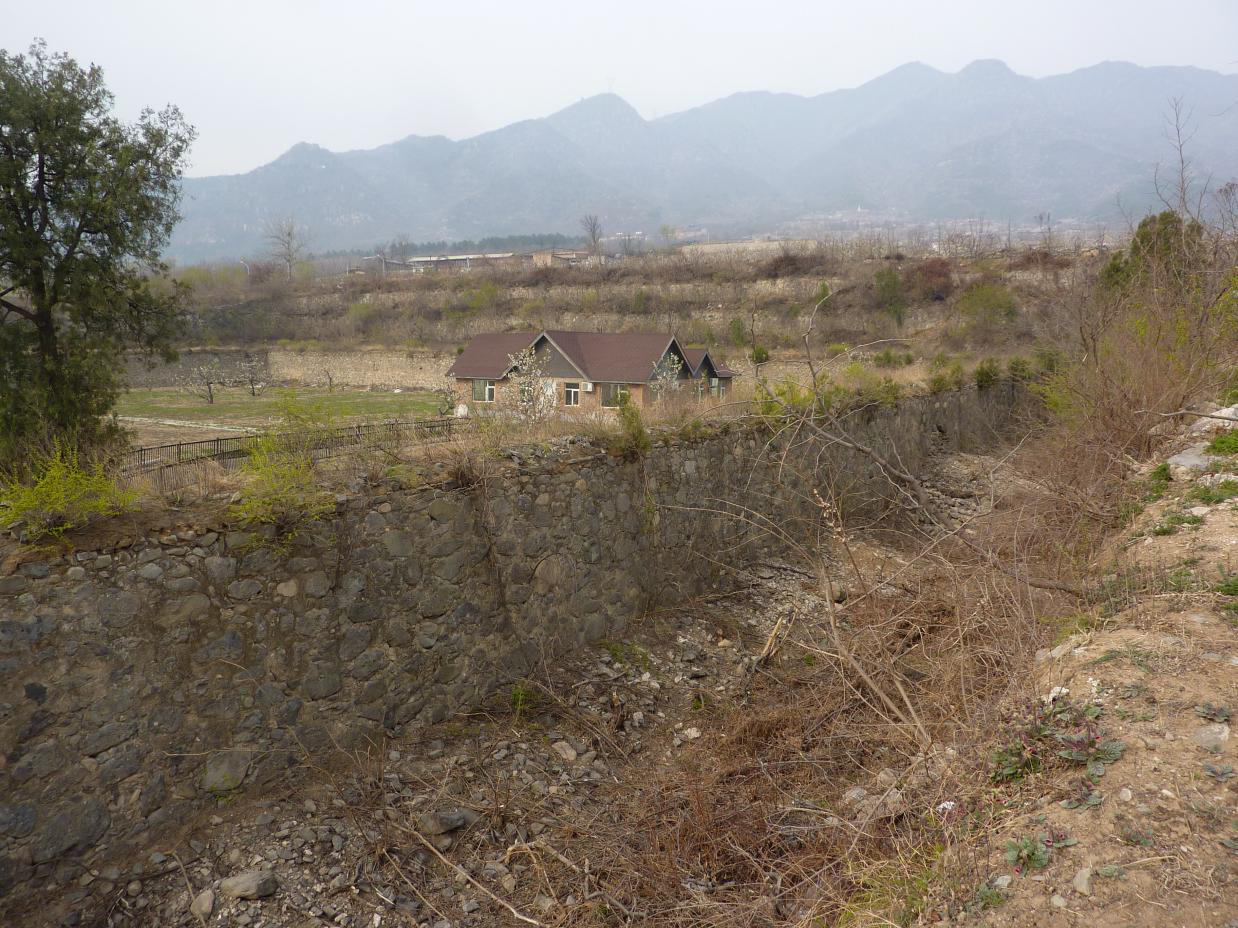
142	681
140	372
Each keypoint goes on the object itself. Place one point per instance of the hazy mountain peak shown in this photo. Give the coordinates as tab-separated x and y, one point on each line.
914	144
989	69
607	107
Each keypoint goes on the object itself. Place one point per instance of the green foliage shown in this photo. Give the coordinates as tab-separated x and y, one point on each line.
87	203
1086	747
1210	496
1174	521
284	491
60	495
888	294
1030	852
1161	240
987	373
633	439
1228	585
1036	729
987	307
641	302
888	357
834	349
1226	443
524	698
737	332
1020	369
484	297
945	374
1014	762
760	354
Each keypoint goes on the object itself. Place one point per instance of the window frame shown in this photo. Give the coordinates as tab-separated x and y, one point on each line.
487	390
617	392
571	393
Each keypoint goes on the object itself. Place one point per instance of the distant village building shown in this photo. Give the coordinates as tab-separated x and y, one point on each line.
587	371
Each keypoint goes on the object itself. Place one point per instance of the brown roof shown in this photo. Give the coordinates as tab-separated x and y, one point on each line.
696	357
604	357
488	355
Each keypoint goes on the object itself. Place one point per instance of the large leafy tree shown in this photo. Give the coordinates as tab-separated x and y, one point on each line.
87	203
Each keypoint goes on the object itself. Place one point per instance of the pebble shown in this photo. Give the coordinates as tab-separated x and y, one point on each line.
1058	902
564	750
253	884
203	904
1125	795
1003	881
1083	881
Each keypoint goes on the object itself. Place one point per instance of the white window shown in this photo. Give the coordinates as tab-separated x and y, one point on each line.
483	391
571	394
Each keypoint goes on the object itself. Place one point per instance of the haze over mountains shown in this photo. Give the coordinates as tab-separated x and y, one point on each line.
915	144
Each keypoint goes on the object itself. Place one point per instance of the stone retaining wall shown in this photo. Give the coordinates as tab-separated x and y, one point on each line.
141	682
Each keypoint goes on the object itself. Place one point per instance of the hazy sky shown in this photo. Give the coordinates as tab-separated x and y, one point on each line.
259	76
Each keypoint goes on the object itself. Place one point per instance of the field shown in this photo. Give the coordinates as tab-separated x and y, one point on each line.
159	416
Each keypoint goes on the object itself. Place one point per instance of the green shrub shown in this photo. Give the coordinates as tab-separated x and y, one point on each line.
61	495
987	307
888	294
737	332
945	375
760	354
633	439
987	373
834	349
888	357
1224	444
1020	370
285	492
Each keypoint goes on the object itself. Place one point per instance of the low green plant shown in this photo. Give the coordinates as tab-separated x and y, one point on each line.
1174	521
1225	443
1087	747
987	373
60	495
1031	852
760	354
1228	585
284	491
523	698
1210	496
632	439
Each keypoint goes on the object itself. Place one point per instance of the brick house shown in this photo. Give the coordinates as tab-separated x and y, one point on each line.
586	371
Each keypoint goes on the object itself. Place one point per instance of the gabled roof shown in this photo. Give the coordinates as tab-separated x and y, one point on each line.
488	356
604	357
696	358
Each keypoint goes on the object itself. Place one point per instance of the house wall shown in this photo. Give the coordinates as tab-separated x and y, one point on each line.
144	680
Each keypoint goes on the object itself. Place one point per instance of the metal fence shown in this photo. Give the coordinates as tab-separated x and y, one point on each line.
176	465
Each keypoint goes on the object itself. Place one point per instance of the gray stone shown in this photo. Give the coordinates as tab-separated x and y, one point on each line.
203	904
1003	881
221	570
317	585
399	544
1083	881
356	639
319	684
180	585
151	571
118	609
110	735
78	826
1211	737
441	821
253	884
17	821
244	589
225	771
14	583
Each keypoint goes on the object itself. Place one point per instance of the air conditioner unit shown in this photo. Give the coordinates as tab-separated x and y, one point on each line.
587	387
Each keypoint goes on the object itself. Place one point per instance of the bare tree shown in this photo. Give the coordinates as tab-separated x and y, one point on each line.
202	380
665	380
287	240
591	225
253	374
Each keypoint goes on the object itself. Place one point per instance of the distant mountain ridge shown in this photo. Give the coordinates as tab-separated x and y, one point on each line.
915	143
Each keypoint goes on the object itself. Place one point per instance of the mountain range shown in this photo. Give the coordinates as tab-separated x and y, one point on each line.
916	144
